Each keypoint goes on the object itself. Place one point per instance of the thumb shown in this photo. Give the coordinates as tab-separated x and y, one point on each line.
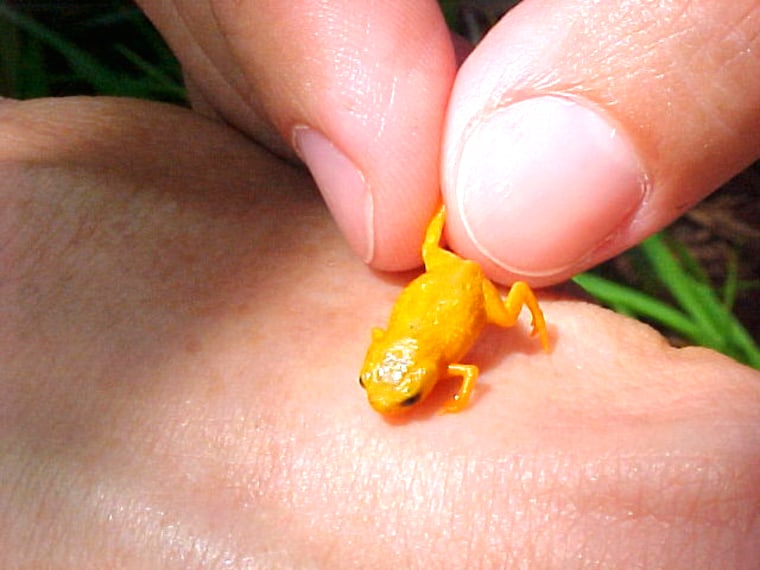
578	128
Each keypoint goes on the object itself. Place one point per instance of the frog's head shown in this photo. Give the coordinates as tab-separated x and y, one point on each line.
394	376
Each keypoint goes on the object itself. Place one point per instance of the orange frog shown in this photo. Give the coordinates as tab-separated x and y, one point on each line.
434	322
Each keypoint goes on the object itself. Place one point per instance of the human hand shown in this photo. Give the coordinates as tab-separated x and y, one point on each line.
573	131
181	334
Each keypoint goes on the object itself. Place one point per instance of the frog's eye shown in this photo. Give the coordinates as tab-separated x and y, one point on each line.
361	382
411	400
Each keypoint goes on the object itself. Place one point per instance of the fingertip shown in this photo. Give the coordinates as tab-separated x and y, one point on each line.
343	186
362	99
390	243
569	140
541	183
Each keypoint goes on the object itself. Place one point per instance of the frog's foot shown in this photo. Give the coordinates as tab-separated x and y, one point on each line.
539	329
459	402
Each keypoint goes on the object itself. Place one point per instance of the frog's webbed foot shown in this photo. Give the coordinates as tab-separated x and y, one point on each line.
469	374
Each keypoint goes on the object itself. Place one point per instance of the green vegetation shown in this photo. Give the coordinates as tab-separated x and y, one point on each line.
698	312
38	61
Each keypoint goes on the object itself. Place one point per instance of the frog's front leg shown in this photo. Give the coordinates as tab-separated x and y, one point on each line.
469	374
504	312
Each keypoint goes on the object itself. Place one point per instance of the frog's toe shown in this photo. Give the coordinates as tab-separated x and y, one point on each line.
455	404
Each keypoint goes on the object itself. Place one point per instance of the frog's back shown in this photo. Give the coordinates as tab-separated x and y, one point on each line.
442	308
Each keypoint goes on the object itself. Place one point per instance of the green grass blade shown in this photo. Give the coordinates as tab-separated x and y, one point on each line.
713	299
636	302
694	297
717	328
103	79
731	284
156	79
746	349
737	343
10	59
449	9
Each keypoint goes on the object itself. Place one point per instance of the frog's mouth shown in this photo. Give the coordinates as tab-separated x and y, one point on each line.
396	402
395	407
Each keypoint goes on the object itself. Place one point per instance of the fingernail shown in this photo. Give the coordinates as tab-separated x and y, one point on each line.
543	182
343	187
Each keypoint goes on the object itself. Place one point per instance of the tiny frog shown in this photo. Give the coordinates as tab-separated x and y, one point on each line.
433	324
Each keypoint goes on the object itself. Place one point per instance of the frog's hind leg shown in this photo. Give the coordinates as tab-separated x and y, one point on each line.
432	253
504	312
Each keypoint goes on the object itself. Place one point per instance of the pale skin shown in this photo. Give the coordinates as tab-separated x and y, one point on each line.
179	388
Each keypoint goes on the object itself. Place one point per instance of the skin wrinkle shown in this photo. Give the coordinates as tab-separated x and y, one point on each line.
240	107
473	478
254	74
702	53
181	545
600	492
737	47
178	15
457	537
577	516
375	491
138	517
